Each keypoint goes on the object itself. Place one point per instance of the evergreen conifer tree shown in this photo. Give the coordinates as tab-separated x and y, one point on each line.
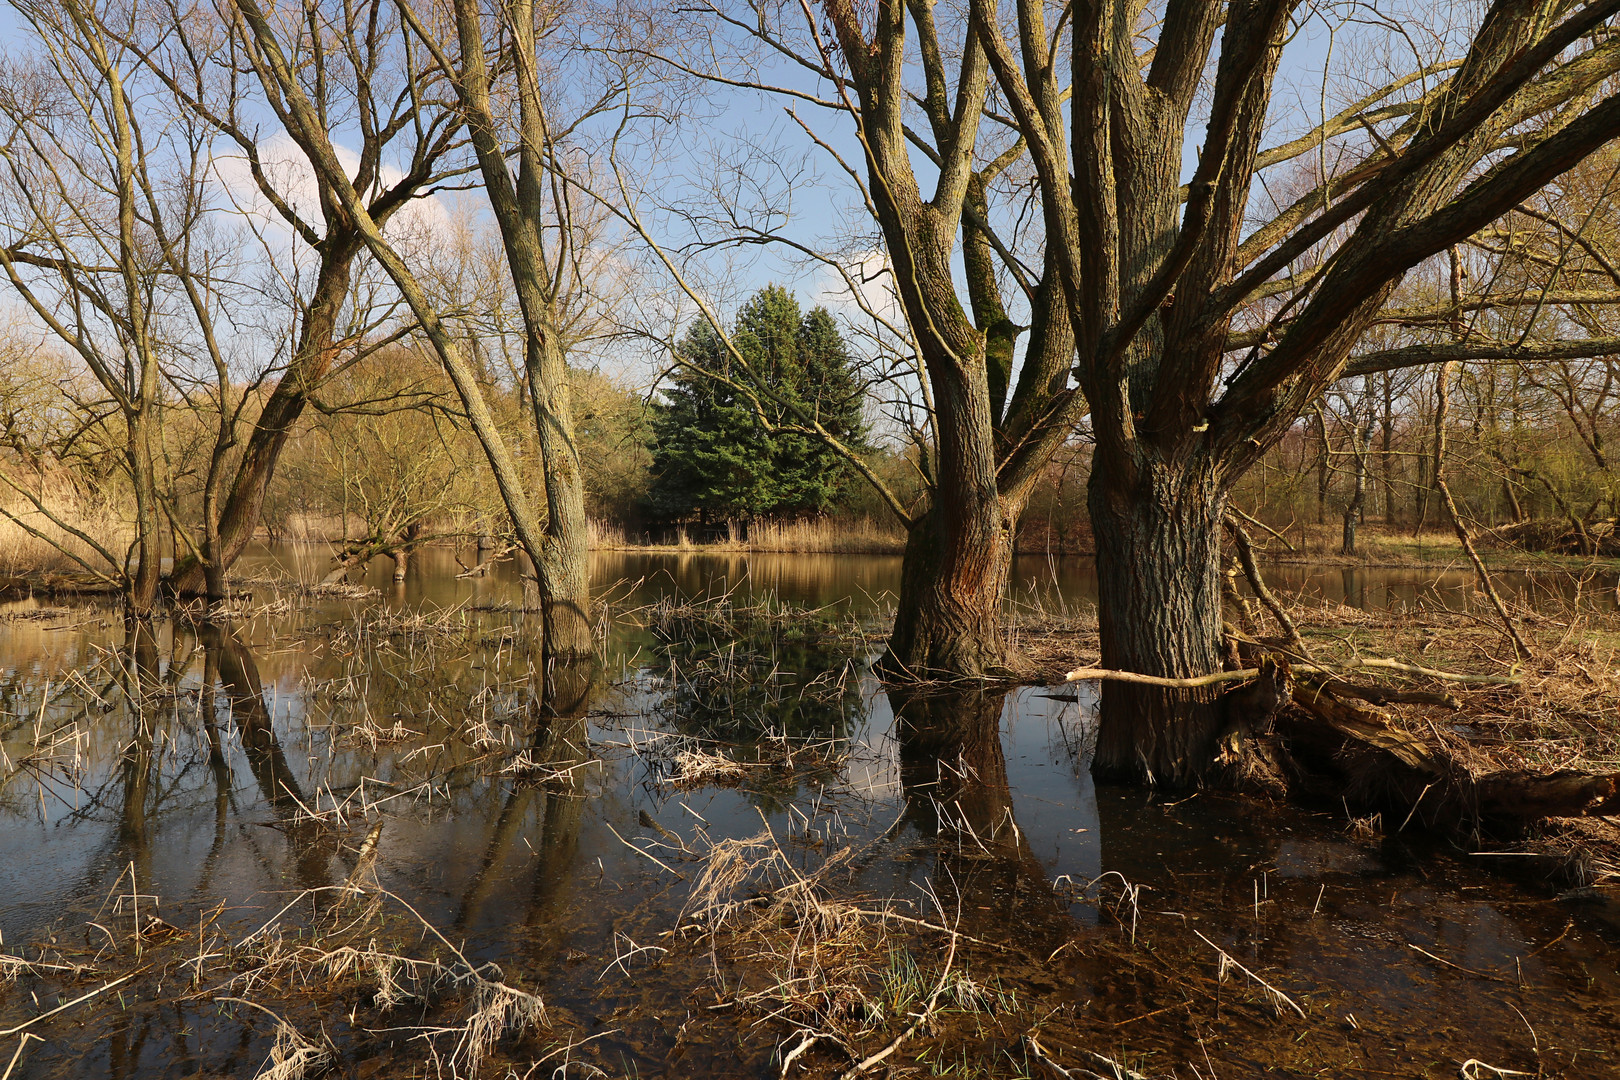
714	460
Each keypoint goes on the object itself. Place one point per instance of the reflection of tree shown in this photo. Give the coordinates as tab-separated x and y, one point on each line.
141	674
739	674
555	760
954	776
311	842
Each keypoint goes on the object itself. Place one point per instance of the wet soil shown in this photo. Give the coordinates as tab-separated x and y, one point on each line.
352	773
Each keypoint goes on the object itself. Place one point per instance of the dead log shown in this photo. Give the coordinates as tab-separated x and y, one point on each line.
1514	793
1345	753
1386	695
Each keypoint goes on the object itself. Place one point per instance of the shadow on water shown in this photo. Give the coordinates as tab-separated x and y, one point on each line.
216	773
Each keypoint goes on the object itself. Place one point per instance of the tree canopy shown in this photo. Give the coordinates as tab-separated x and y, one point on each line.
723	452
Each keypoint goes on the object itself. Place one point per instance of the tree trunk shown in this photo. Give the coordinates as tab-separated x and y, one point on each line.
1386	453
1325	452
948	616
144	580
1159	605
566	603
311	360
958	554
1358	500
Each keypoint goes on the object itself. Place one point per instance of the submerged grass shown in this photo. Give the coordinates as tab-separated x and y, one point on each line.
960	958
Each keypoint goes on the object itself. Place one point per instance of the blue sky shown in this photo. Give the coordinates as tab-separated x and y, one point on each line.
821	196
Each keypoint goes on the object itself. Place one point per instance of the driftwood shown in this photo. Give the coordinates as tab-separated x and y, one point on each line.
1352	755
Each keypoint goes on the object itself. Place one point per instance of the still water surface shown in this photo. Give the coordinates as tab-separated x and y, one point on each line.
299	706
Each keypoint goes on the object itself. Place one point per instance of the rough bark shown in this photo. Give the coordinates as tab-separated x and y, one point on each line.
948	623
1158	580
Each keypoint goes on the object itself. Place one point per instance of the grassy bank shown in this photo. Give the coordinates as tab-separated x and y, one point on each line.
1383	546
829	536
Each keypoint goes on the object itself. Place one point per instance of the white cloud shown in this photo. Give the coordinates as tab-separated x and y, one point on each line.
866	288
293	178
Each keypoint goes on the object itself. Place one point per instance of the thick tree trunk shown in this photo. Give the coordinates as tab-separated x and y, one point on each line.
311	360
948	622
1159	605
948	616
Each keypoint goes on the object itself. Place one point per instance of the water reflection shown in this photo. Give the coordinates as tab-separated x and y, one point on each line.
548	774
496	780
953	776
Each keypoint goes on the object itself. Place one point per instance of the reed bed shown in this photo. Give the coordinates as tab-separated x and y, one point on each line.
823	536
48	548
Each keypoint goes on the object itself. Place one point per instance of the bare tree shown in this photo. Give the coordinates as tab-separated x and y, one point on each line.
1155	280
98	218
404	150
496	64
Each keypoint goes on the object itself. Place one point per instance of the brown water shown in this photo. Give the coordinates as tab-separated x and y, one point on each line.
188	758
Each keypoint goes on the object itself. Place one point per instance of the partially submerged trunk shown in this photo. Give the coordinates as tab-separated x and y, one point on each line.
1159	610
566	582
143	580
948	617
958	554
1344	754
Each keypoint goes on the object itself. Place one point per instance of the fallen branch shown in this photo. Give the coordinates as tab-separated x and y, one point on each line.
1386	695
1251	570
1082	674
1196	681
1402	668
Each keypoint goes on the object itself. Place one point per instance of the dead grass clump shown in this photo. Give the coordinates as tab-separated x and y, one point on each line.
354	945
693	768
857	977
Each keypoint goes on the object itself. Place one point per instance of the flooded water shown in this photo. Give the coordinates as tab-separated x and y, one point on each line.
234	780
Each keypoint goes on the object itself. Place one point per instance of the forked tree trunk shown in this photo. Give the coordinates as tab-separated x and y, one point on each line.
1159	605
311	360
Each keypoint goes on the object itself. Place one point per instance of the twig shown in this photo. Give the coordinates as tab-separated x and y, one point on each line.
639	851
1275	994
21	1046
1457	967
6	1034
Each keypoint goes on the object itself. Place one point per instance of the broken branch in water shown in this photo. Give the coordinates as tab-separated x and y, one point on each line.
1277	998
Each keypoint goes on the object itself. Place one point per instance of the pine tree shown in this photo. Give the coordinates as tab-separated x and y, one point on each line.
713	458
